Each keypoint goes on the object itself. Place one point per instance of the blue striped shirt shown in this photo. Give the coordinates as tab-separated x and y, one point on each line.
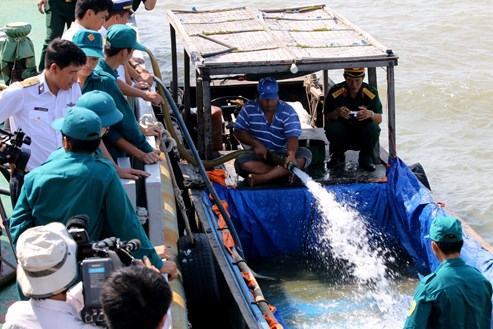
275	135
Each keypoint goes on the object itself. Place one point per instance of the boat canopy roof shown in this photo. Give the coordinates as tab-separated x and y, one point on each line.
245	40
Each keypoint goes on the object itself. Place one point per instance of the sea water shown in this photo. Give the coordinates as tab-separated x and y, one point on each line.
367	297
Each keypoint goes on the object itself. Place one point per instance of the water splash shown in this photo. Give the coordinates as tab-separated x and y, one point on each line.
344	230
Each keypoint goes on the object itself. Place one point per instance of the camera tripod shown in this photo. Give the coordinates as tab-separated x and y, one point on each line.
7	268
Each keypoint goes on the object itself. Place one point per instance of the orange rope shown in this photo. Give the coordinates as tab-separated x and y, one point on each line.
217	176
229	243
228	240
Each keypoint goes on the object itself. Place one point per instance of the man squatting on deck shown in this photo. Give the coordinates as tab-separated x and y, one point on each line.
268	125
353	112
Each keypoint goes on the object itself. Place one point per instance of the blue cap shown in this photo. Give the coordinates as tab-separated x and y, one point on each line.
122	36
103	105
445	229
79	123
90	42
268	89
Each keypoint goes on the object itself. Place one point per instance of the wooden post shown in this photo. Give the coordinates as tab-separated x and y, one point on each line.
200	116
326	82
372	77
326	91
206	99
186	94
174	64
391	111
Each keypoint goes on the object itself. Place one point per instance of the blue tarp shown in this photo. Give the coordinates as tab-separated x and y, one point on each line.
272	222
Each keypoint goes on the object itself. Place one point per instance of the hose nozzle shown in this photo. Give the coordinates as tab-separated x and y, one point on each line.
280	160
291	166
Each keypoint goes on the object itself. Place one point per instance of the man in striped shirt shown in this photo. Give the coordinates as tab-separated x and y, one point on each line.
269	126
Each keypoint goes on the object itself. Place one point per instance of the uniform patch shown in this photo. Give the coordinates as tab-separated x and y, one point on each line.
29	82
339	92
429	277
411	308
91	37
369	93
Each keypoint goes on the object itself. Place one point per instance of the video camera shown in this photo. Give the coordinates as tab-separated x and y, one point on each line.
97	261
13	152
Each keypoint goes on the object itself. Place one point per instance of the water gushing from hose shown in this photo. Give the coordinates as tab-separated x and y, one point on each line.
343	229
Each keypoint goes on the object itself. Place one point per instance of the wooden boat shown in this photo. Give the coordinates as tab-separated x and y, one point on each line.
227	51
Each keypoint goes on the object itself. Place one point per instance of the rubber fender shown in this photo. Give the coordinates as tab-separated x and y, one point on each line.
420	174
199	271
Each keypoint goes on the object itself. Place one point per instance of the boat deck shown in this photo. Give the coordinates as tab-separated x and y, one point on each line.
350	174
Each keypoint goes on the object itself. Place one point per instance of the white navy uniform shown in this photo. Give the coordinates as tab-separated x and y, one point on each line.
45	313
71	31
30	106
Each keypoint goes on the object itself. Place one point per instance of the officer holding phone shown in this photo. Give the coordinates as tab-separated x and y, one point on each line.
353	112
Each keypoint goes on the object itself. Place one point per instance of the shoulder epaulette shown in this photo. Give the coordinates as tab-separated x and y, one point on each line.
29	82
338	92
428	278
369	93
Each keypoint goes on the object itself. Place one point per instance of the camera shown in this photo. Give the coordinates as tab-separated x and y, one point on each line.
353	114
97	261
13	152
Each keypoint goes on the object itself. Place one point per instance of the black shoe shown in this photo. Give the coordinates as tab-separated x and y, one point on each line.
367	166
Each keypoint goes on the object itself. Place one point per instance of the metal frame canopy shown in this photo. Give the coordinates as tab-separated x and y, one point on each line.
247	41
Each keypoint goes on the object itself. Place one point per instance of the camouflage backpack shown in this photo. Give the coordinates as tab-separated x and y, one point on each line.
17	60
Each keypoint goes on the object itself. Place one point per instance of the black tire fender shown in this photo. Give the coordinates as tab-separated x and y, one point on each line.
199	272
420	174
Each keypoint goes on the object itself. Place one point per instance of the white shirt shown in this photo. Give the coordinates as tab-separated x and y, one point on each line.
43	314
103	31
121	73
70	32
33	109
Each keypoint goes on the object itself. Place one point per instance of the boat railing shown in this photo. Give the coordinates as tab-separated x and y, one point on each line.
152	186
128	184
153	199
153	206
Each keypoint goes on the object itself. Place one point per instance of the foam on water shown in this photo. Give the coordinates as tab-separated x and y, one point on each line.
346	232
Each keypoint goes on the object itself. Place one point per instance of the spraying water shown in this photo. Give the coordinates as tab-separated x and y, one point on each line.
344	230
